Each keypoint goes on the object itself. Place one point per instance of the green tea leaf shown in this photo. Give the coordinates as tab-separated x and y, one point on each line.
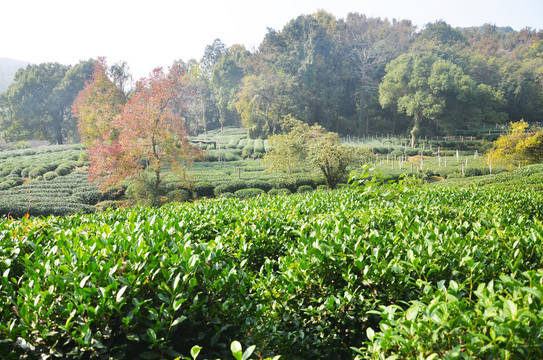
370	333
248	352
120	293
195	351
236	349
179	320
151	334
84	281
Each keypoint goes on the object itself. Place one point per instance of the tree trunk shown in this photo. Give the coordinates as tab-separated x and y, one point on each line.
57	128
416	129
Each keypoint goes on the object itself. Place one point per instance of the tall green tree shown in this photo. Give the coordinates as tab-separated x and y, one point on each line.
37	105
430	89
369	45
522	82
212	55
199	110
263	100
226	78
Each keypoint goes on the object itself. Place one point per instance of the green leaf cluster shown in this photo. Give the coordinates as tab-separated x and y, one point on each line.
427	269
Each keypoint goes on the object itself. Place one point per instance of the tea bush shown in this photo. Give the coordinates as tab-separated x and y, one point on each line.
248	193
304	188
377	271
179	195
50	175
231	187
279	192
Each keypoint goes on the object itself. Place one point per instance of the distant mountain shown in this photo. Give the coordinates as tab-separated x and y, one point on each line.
8	68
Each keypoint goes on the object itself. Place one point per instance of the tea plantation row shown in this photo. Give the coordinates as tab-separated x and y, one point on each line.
397	270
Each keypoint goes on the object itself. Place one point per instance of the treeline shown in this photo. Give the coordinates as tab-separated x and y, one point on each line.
357	76
363	76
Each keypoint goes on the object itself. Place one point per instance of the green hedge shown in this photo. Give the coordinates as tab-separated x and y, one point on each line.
231	187
248	193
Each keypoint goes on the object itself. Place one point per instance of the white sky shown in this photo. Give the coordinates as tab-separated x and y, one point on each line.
148	34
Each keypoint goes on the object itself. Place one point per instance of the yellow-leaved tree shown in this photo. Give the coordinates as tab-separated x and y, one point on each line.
522	145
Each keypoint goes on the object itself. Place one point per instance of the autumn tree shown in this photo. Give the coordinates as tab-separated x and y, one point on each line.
152	136
97	105
315	149
521	145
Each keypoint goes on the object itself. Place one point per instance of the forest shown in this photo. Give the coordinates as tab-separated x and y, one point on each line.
357	75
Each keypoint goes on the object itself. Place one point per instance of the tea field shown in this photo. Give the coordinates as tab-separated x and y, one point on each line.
52	180
394	271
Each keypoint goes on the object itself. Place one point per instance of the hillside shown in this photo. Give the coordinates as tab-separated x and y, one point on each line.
8	68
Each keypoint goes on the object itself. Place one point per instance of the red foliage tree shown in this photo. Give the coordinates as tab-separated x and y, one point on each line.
151	137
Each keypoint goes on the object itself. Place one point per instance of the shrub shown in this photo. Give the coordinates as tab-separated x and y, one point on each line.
106	205
4	172
21	145
50	175
230	156
227	195
260	184
5	185
211	156
232	144
476	171
248	149
16	171
136	193
248	193
139	192
83	157
179	195
242	143
114	193
279	192
89	197
231	186
37	172
202	189
15	180
258	146
304	188
65	168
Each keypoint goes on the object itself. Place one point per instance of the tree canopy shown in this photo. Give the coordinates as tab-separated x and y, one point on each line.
521	145
428	88
315	149
152	136
97	105
335	72
37	105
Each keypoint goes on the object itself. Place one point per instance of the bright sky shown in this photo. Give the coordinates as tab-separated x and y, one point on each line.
154	33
